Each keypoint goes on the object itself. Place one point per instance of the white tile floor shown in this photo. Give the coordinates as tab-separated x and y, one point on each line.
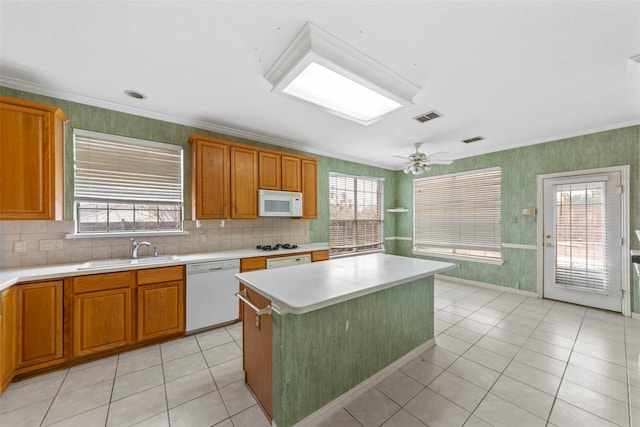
500	360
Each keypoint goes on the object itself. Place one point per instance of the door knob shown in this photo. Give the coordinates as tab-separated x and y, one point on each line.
548	245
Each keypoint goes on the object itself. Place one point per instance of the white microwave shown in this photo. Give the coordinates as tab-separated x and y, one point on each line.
279	203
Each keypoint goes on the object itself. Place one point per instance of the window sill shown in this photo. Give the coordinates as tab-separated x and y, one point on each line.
459	257
125	234
349	254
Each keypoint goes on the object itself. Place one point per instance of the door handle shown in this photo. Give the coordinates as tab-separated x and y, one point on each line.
548	245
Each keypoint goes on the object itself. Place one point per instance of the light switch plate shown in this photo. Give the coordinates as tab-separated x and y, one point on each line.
19	246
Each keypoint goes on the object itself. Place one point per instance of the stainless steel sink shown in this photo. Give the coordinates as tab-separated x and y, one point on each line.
122	262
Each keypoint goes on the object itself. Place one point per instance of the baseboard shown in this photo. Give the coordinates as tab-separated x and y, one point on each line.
487	285
635	315
343	400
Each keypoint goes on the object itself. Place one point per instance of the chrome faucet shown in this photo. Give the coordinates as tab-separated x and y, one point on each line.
135	247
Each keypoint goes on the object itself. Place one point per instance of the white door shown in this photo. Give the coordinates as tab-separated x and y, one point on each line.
582	239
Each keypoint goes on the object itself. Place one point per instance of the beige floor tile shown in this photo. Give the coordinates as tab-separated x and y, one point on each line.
502	348
213	338
507	336
479	327
184	366
82	378
474	421
458	390
436	411
137	407
439	357
222	353
422	371
448	317
599	366
189	387
547	349
536	378
500	413
565	414
487	358
237	397
21	394
402	418
227	372
540	361
93	418
452	344
25	416
523	396
137	361
551	338
160	420
137	381
252	417
341	418
464	334
400	388
603	406
79	401
600	383
603	350
475	373
179	348
372	408
203	411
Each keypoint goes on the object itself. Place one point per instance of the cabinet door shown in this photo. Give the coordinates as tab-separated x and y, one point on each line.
269	170
7	337
257	353
291	173
309	189
244	183
101	321
160	310
31	143
39	323
210	180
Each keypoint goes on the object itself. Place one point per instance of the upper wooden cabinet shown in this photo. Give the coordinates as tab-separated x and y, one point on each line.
244	183
309	189
210	179
225	177
39	323
31	160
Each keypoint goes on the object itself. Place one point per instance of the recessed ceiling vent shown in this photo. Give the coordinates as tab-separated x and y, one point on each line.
474	139
428	116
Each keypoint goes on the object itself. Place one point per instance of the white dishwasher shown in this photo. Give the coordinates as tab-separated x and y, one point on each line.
211	288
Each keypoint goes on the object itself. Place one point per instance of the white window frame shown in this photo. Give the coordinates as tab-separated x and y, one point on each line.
489	249
165	193
359	249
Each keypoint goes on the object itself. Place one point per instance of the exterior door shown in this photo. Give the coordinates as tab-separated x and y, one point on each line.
583	228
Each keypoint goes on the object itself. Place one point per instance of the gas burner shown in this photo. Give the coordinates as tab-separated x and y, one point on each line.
276	247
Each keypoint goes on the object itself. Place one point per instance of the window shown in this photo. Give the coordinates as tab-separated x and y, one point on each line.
355	213
126	185
458	215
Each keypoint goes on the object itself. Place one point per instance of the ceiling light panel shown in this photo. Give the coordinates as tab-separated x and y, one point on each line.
321	69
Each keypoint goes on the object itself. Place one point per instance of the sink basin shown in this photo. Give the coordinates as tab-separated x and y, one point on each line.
122	262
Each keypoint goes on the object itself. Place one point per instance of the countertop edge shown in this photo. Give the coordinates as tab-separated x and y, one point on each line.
10	277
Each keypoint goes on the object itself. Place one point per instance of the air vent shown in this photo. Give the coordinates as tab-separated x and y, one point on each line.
474	139
428	116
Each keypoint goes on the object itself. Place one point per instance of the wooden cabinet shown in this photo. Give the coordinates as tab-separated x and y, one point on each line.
210	179
309	189
39	323
7	337
244	183
291	173
270	169
258	352
319	256
160	302
101	318
31	160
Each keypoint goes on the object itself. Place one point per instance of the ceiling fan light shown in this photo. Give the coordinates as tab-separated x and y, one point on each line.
407	169
416	170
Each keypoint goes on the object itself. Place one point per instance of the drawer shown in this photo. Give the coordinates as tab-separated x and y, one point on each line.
102	282
249	264
319	256
161	274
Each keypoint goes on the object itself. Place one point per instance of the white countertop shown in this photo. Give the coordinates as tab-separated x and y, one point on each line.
11	276
307	287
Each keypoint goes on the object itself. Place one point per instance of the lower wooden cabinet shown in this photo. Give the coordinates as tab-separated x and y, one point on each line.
39	323
7	337
160	303
101	318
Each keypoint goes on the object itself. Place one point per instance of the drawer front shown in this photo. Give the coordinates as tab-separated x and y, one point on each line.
319	256
102	282
159	275
249	264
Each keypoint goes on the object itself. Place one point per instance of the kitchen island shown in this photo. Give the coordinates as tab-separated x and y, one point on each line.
324	328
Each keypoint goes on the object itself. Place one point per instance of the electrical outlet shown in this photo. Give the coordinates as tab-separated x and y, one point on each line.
19	246
50	245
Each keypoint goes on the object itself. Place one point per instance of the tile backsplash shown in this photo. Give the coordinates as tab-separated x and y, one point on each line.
210	237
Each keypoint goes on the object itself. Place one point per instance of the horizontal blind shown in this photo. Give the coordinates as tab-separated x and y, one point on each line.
581	237
458	211
355	208
109	167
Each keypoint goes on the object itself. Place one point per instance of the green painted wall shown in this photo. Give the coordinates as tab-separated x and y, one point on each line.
520	168
316	359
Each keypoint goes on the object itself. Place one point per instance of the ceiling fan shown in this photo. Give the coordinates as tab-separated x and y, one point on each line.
420	162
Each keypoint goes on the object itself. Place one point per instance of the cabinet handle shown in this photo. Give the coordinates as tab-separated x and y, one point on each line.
242	296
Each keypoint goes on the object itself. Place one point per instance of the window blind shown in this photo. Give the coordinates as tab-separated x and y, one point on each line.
355	213
458	211
109	167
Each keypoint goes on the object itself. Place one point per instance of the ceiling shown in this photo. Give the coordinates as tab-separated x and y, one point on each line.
515	73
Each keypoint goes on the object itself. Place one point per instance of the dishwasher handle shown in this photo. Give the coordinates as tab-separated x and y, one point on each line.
242	296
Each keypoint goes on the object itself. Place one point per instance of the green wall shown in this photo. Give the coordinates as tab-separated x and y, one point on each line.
520	168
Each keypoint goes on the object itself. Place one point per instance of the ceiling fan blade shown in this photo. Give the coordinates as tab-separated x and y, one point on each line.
401	157
435	154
